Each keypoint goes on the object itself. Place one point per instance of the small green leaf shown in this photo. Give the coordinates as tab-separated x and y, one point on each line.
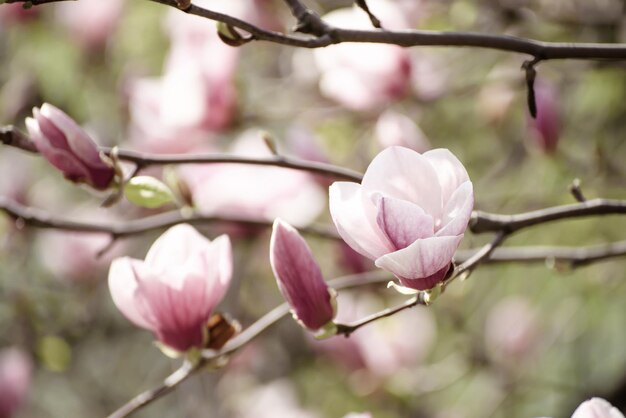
54	353
148	192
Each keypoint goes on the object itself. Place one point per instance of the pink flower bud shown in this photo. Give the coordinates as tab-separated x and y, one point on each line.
68	147
299	277
408	214
546	127
15	375
174	291
597	408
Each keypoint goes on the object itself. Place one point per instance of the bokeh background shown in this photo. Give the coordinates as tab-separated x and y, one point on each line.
514	340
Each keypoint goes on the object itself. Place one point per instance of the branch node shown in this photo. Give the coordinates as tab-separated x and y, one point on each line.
531	74
362	4
576	191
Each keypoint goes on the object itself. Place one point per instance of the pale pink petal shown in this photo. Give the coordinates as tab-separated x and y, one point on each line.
457	212
404	174
179	314
423	258
299	277
449	169
348	210
16	369
218	259
403	222
123	287
175	247
597	408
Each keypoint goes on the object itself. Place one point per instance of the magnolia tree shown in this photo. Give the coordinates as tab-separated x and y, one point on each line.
209	170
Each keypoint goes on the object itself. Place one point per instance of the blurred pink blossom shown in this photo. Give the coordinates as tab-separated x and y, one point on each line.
546	127
174	291
512	344
408	214
254	192
275	399
90	22
358	415
15	378
393	128
15	13
597	408
299	277
365	77
68	147
383	347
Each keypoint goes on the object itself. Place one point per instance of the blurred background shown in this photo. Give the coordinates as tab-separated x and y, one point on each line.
514	340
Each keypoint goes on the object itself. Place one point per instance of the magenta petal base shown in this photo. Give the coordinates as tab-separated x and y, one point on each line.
425	283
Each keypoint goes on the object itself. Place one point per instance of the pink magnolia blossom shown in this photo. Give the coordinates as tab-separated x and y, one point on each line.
597	408
299	277
275	399
254	192
15	378
393	128
174	291
15	13
512	344
409	213
546	127
68	147
90	22
358	415
365	77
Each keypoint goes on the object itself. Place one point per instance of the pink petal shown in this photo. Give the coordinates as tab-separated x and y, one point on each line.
123	287
405	174
299	277
457	213
403	222
179	314
450	172
428	282
218	260
177	245
349	210
421	259
81	144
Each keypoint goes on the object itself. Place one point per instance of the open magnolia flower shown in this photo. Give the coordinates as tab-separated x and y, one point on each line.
175	290
408	214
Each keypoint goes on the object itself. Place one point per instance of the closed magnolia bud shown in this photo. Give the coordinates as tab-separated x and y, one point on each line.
299	278
68	147
546	126
15	376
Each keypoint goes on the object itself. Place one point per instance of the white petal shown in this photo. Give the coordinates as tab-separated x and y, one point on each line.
350	215
123	287
450	171
422	258
457	213
175	247
405	174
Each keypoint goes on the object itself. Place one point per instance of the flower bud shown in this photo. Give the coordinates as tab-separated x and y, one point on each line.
546	127
15	375
597	408
299	277
68	147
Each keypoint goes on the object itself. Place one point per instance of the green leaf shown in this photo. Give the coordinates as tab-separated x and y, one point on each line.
148	192
54	353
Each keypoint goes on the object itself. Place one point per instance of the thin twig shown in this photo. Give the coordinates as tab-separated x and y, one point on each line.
407	38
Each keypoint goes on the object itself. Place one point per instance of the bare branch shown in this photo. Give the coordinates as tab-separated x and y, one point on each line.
487	222
328	35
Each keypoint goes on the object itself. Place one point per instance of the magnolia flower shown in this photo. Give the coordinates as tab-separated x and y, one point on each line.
597	408
68	147
174	291
408	215
90	22
299	277
394	128
15	376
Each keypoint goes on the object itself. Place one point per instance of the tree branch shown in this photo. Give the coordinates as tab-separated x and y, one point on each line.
329	35
488	222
